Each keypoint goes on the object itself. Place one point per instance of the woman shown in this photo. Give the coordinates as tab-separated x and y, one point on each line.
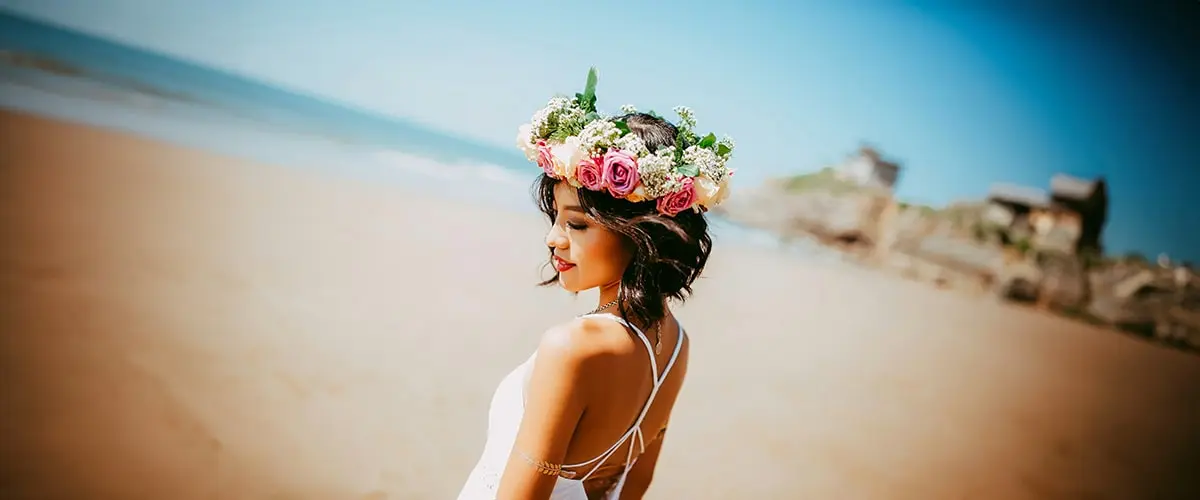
584	416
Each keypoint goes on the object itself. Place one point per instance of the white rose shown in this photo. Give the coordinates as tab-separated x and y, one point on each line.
706	190
566	157
525	141
577	153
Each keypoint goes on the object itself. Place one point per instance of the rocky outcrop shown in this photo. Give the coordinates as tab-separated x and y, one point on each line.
953	247
818	204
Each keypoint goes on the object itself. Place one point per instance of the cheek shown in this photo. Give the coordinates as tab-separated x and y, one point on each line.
604	255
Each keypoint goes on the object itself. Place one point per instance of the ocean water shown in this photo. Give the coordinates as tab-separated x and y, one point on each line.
52	71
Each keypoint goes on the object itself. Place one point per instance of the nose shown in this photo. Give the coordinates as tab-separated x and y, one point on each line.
556	238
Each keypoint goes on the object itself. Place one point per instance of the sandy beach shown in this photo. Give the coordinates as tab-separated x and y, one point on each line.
177	324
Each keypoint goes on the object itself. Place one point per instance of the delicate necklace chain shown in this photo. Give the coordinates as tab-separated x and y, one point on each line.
657	326
603	307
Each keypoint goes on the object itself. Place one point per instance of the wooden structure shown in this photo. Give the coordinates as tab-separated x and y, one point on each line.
1081	206
1069	219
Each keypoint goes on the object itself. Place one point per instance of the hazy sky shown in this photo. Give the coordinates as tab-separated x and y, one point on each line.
961	96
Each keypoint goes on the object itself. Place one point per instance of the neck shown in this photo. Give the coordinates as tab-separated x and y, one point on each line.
608	293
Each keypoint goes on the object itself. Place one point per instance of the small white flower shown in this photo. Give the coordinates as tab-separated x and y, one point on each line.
540	121
706	160
557	112
728	142
632	144
656	172
687	118
598	135
674	182
557	103
570	114
658	176
723	190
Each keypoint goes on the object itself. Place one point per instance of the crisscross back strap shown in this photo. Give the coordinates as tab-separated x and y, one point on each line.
635	431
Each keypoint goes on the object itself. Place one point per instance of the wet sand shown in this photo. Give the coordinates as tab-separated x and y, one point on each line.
176	324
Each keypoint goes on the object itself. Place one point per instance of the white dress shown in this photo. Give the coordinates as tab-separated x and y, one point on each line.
504	419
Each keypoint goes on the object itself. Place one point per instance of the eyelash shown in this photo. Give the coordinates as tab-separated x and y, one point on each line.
577	227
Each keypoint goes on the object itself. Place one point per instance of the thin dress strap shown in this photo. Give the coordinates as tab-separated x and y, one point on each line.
636	429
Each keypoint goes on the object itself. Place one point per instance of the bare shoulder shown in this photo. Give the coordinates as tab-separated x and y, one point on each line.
579	348
576	342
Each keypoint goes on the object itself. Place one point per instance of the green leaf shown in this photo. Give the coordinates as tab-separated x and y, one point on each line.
622	126
590	88
681	143
708	141
591	116
688	170
588	99
723	149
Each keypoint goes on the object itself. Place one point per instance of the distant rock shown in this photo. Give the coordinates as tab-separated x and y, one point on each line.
820	204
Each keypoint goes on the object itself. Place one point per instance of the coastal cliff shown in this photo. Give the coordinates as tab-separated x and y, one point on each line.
1019	244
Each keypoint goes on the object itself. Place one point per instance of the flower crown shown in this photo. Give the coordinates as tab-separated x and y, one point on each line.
573	142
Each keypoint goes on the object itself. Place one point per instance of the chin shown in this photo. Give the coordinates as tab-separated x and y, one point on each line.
569	284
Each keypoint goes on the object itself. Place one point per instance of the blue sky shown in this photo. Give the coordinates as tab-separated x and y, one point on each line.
961	96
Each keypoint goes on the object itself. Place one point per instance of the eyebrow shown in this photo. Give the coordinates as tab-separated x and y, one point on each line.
575	208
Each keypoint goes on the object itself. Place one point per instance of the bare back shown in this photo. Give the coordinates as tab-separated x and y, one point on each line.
594	393
617	394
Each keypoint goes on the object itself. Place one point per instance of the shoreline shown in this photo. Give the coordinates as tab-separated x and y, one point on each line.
329	154
212	127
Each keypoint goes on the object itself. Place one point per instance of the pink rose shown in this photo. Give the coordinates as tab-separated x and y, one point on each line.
620	172
678	200
589	173
545	158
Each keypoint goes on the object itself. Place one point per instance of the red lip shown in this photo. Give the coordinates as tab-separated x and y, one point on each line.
561	265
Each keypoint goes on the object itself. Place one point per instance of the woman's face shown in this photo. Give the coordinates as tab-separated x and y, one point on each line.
585	254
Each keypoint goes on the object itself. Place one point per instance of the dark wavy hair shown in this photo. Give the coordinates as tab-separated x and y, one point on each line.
668	253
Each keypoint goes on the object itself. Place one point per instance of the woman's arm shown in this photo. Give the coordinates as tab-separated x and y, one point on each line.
642	472
554	404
